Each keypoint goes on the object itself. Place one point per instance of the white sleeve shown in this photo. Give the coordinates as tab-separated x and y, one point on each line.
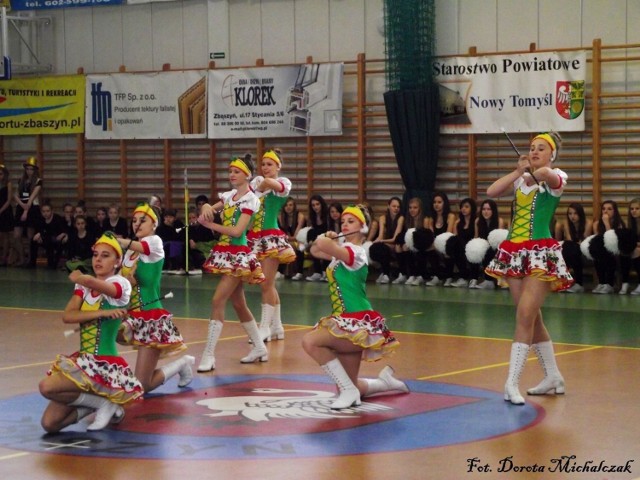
556	192
156	249
359	256
286	183
126	291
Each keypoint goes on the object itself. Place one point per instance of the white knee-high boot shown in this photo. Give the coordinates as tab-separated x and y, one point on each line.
259	350
277	330
385	383
519	353
105	409
552	381
181	367
208	360
266	319
349	393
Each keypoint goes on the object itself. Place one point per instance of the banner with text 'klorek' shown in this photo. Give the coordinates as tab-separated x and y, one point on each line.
530	92
287	101
147	105
42	106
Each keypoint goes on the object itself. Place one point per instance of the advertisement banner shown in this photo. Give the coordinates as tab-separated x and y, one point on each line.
530	92
289	101
42	106
45	4
147	105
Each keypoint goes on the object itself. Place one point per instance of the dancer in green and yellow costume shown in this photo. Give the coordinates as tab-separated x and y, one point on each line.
530	261
149	327
233	260
354	331
95	378
268	242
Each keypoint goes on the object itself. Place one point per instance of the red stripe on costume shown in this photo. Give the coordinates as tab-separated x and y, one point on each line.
352	256
560	181
79	293
232	248
247	211
263	233
281	186
145	248
510	247
118	290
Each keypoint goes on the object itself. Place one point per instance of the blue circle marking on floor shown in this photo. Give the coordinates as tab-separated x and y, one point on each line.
272	416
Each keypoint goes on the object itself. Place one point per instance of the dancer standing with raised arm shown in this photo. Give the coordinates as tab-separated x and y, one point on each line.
95	377
150	327
353	332
530	260
234	260
268	242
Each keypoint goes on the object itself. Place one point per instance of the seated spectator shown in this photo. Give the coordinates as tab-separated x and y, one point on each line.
102	222
571	231
412	263
440	220
318	220
630	248
50	235
200	201
604	261
80	247
81	209
201	242
464	230
170	231
391	228
290	221
486	222
116	223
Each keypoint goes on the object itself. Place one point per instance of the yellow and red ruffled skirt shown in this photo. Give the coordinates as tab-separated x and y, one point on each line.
238	261
271	244
154	329
104	375
366	329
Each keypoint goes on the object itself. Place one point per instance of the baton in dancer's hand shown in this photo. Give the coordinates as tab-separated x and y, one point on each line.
68	333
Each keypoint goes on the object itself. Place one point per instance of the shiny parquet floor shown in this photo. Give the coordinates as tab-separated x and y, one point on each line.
451	340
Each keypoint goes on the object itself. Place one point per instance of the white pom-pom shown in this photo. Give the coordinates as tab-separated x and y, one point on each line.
497	236
611	242
584	247
476	249
301	237
408	240
68	333
441	242
169	295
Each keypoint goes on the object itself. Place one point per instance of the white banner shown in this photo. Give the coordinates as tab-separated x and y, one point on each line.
530	92
146	105
289	101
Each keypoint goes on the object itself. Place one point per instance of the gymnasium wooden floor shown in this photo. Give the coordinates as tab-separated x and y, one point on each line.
453	425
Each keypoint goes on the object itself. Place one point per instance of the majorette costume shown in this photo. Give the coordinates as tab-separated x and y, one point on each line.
352	316
231	255
529	249
97	368
149	325
265	237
